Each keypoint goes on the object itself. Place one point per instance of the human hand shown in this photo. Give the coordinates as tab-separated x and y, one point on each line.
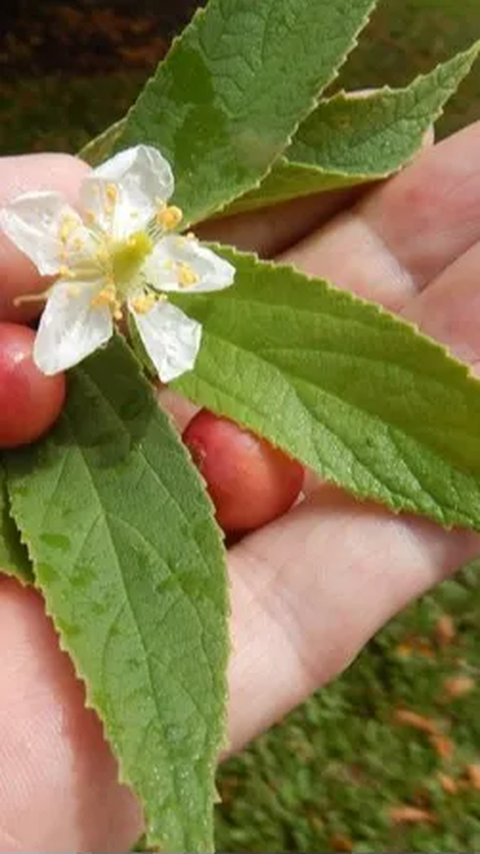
307	591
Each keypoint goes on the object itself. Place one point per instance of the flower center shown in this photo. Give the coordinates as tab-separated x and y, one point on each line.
127	256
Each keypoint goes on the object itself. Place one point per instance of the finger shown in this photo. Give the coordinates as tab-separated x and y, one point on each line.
406	231
57	172
270	231
58	780
449	309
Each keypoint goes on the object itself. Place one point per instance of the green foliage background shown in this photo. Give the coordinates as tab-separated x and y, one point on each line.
328	777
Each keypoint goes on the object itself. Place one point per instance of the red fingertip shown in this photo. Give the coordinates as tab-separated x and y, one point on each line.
250	482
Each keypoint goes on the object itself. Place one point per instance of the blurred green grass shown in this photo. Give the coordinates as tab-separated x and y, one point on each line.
329	776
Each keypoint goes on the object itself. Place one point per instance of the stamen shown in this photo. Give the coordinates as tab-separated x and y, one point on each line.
107	298
169	217
69	224
143	303
66	272
26	298
111	192
186	276
110	200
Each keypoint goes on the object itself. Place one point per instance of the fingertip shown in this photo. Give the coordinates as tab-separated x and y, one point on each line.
25	173
60	173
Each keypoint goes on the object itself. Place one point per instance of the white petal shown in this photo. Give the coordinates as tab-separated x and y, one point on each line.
163	267
171	339
70	327
142	178
33	222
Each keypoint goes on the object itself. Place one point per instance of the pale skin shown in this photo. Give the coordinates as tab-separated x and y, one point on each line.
311	589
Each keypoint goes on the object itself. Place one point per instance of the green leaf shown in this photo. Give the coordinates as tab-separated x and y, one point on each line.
343	386
13	555
131	564
225	102
352	139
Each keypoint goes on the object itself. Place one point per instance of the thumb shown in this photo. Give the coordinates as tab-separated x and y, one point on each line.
29	173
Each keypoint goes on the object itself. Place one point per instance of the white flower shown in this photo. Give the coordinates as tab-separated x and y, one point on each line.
122	252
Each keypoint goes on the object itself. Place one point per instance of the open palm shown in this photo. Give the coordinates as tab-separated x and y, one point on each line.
307	591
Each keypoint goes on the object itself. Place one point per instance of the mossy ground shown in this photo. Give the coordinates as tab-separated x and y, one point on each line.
343	772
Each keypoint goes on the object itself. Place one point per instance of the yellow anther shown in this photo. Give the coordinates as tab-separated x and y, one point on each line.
186	276
110	200
69	224
143	303
107	298
67	273
111	192
169	217
90	216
